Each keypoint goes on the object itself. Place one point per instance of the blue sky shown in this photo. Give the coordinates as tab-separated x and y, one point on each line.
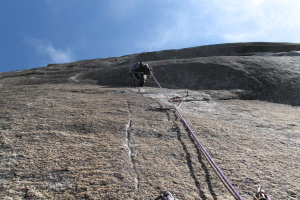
35	33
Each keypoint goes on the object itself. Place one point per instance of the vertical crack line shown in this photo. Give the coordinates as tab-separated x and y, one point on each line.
131	150
205	169
200	159
189	161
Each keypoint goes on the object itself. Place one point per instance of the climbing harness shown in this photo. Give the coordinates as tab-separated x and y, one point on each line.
218	171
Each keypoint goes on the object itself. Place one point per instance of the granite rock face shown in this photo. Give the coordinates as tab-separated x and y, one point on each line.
83	130
265	71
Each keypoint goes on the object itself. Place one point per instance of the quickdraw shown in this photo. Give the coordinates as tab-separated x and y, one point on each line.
260	195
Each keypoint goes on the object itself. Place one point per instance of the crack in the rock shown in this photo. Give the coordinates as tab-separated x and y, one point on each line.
189	160
161	106
131	150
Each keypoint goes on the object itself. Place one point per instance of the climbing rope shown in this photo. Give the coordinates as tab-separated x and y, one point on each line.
218	171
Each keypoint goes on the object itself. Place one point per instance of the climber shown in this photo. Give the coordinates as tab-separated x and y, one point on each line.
141	71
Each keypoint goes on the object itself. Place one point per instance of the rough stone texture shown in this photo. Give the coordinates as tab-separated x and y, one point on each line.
82	130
